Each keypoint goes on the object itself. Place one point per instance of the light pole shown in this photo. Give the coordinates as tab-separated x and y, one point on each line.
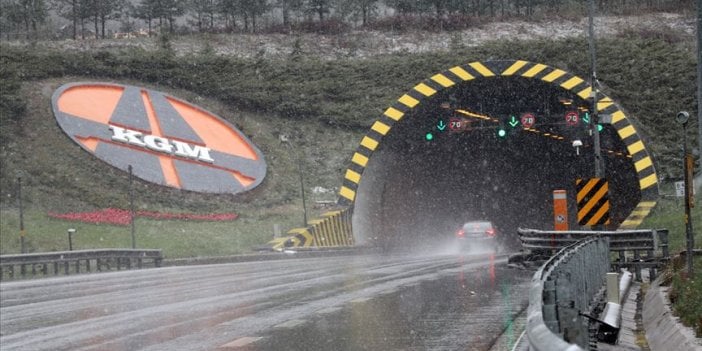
131	206
23	248
286	140
682	118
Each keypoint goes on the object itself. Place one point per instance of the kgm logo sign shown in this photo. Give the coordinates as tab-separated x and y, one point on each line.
167	141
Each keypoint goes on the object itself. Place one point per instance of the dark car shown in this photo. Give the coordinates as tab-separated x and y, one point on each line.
477	236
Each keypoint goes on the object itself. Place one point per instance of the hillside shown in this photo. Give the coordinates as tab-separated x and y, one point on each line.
324	102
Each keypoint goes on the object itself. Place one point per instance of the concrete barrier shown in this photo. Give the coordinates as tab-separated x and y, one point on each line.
663	331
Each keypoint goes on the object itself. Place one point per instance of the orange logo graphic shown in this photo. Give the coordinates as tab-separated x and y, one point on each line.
166	140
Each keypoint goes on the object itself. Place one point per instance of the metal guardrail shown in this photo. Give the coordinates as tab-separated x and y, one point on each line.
561	291
644	248
73	262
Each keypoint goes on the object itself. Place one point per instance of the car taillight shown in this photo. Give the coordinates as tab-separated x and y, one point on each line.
490	232
460	233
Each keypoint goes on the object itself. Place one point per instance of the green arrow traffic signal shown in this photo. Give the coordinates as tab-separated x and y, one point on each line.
513	122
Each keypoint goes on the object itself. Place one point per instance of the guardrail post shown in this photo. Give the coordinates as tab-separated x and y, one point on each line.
565	304
70	262
637	269
663	237
613	287
550	311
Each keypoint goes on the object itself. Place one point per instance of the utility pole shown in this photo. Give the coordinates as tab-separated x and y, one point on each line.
699	74
682	118
594	121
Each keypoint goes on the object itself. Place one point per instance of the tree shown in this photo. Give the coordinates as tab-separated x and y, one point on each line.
248	10
168	10
76	11
202	13
360	8
126	23
319	7
287	7
253	9
103	10
146	11
229	10
408	7
26	13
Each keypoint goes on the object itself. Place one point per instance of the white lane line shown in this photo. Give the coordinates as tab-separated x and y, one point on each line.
329	310
360	300
247	340
291	323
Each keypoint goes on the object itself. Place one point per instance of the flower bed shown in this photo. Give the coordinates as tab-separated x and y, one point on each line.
117	216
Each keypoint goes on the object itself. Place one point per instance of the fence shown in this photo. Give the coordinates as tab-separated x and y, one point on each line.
637	249
74	262
561	291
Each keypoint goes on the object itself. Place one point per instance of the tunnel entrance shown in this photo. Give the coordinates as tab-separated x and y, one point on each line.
437	159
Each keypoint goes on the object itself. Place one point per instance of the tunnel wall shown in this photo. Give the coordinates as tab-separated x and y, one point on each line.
362	159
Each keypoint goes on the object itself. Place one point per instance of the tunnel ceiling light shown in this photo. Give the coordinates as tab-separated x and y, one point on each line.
474	115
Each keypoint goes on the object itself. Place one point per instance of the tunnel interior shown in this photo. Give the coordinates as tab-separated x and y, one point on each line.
417	190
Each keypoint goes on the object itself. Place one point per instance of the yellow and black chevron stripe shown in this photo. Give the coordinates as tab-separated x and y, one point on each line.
332	229
593	201
490	69
638	215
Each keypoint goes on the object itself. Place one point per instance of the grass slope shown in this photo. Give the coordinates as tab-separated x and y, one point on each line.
324	105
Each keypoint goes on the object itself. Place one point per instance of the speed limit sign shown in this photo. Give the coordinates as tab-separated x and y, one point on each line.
572	118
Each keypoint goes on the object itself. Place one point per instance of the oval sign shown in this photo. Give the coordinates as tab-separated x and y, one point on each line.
166	140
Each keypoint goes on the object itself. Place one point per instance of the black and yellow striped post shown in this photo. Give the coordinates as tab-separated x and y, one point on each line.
593	201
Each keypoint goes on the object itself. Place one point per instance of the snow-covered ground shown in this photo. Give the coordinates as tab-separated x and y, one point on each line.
362	43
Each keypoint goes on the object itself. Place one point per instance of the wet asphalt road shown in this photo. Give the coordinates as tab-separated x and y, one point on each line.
333	303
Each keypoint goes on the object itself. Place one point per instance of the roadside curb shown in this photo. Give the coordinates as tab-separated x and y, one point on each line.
663	331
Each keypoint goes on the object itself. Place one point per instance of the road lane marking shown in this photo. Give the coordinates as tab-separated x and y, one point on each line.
291	323
247	340
329	310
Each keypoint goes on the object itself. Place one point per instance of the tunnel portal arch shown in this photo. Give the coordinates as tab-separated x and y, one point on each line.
471	73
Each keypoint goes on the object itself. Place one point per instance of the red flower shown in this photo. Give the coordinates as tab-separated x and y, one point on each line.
117	216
